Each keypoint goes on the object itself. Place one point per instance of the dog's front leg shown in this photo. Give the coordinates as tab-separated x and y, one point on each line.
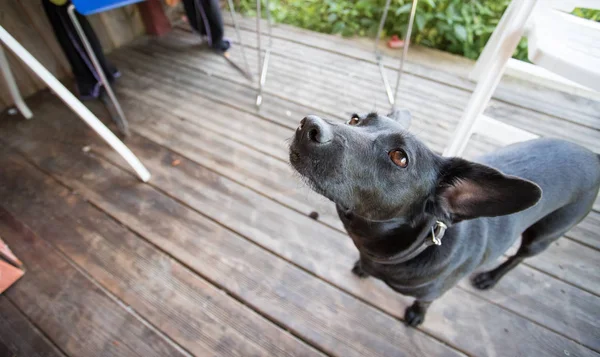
359	270
414	315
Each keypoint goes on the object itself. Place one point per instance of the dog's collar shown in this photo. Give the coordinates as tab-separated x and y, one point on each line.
432	236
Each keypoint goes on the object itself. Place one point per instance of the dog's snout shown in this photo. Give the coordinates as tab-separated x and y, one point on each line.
316	130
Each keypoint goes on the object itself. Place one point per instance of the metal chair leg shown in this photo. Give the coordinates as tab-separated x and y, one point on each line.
378	56
393	97
12	86
88	48
239	37
263	65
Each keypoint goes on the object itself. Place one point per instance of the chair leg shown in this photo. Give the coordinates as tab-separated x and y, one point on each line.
493	44
411	21
386	84
490	79
239	37
263	64
12	86
69	99
88	49
378	56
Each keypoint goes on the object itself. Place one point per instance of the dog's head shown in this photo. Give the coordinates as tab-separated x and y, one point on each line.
373	167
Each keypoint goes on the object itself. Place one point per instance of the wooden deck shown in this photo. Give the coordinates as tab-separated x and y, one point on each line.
217	255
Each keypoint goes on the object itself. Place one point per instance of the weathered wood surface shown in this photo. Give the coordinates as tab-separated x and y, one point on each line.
520	93
78	316
318	249
19	337
198	316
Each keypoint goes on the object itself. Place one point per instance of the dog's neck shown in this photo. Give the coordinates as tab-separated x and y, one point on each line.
388	242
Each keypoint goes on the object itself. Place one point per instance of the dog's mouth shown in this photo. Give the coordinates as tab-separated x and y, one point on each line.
304	164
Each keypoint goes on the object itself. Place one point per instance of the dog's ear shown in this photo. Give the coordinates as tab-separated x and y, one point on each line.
469	190
402	116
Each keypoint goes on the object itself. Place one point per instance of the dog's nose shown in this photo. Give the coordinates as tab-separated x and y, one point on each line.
316	130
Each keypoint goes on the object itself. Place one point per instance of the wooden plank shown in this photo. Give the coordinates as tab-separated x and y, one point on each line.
588	231
544	100
193	81
19	337
256	170
550	302
330	256
70	309
294	53
336	322
571	262
446	102
422	115
187	308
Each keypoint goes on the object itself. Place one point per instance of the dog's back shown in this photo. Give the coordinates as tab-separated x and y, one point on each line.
569	176
566	172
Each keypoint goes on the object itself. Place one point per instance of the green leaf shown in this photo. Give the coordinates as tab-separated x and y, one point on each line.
338	27
420	20
460	31
431	3
404	9
332	18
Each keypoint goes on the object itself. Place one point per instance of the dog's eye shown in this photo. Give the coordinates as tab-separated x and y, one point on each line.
399	157
353	121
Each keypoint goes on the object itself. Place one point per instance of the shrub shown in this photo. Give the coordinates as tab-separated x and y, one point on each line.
458	26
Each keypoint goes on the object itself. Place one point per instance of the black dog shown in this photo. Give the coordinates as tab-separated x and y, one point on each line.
396	198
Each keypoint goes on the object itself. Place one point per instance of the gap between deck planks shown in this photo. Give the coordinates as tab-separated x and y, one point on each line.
191	311
485	309
538	98
74	313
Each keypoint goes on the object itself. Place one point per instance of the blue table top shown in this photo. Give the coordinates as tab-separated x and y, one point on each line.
88	7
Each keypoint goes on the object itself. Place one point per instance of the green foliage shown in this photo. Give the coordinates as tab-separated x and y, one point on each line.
458	26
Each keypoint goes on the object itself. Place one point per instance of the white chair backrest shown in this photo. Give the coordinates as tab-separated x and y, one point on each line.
569	5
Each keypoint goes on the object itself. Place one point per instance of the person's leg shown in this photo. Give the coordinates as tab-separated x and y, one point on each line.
213	15
87	80
192	15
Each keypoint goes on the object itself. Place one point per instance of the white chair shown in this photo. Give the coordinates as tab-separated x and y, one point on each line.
557	41
66	96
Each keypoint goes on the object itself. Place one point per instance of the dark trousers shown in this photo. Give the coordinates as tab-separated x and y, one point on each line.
205	17
88	82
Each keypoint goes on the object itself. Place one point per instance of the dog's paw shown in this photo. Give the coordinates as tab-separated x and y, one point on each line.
414	316
359	271
484	281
